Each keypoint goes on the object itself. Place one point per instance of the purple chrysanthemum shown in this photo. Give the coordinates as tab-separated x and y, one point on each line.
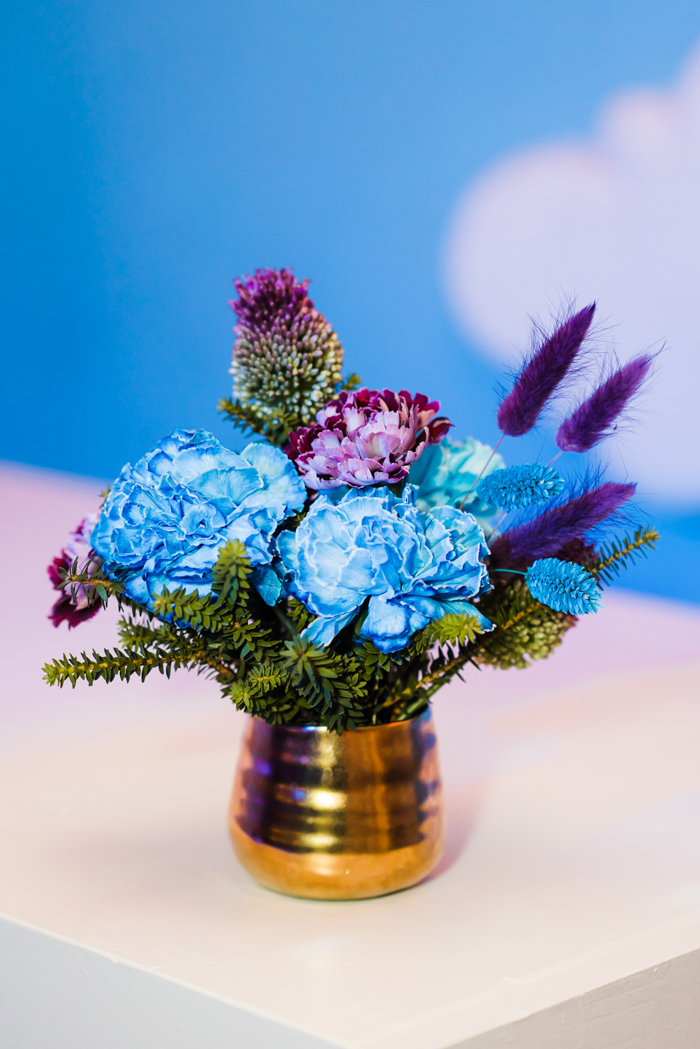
287	359
593	419
366	437
542	373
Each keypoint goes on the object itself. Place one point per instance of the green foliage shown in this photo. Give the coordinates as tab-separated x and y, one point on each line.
230	575
351	382
262	662
299	615
532	637
452	629
106	666
264	665
621	553
274	427
524	629
91	581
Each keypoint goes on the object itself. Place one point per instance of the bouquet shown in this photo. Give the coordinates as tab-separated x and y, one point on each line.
355	556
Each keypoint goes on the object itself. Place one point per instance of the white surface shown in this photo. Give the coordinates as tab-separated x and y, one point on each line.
573	860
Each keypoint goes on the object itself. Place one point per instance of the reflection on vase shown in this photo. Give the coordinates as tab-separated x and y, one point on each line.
330	816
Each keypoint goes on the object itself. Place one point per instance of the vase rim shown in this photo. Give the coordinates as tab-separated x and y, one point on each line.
362	728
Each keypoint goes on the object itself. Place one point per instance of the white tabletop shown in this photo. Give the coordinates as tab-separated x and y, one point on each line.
572	868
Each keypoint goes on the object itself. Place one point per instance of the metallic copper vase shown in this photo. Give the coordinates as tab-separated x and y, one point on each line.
338	817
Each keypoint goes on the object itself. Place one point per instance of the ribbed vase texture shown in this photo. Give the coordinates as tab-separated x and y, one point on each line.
338	817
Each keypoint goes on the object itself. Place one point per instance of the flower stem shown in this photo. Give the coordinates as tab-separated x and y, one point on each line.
481	471
501	517
286	621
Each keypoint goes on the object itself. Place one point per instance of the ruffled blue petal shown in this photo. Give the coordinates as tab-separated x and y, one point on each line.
372	544
322	631
167	517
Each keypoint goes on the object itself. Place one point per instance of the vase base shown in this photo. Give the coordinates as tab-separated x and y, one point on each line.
339	876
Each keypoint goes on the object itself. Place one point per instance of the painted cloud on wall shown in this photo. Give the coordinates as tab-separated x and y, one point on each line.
617	219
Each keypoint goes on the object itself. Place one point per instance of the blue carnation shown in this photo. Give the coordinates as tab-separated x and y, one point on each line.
527	485
374	547
564	586
445	473
167	517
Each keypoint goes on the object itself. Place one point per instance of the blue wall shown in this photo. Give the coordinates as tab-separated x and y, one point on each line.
157	150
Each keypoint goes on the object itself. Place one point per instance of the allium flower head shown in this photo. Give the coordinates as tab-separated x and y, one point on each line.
286	358
75	604
517	486
563	586
366	437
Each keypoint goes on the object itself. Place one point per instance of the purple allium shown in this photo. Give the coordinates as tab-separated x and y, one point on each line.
548	364
366	437
547	534
75	604
593	419
287	359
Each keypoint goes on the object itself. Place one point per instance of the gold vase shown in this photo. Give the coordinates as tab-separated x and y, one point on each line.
338	817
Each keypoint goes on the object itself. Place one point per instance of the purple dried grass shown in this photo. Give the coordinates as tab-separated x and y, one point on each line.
550	532
593	419
520	409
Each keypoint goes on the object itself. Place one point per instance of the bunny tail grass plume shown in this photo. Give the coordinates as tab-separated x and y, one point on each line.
547	534
593	419
520	409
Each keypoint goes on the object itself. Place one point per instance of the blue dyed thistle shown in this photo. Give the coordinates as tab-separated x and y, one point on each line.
516	486
563	586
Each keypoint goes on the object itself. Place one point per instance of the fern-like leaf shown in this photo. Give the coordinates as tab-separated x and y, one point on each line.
107	666
274	428
621	553
351	382
230	574
265	678
453	629
190	609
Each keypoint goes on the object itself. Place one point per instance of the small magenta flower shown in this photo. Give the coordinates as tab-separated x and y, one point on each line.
517	486
563	586
75	604
366	437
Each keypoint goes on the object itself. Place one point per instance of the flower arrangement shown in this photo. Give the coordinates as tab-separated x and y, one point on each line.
353	558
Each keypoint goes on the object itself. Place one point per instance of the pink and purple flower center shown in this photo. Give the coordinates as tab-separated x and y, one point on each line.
366	437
